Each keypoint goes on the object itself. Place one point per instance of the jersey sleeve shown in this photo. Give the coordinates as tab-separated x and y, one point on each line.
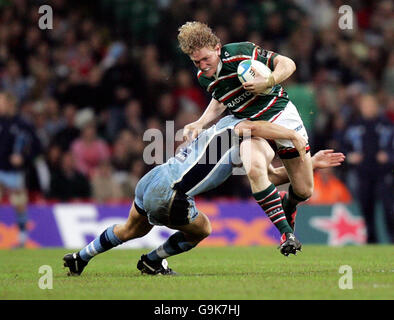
267	57
249	49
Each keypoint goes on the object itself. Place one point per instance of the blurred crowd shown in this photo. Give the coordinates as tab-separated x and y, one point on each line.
109	70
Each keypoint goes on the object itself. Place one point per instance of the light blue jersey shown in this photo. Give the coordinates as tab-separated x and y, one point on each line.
208	161
203	165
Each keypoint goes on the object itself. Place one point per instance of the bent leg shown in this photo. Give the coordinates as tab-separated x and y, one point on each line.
187	237
300	175
256	155
136	226
301	182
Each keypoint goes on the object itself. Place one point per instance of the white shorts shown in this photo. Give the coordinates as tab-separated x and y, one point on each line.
290	119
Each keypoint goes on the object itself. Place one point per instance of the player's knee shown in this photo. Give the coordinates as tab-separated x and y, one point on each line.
257	171
306	194
128	232
207	230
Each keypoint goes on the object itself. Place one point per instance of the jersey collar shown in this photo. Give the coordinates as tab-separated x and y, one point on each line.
220	65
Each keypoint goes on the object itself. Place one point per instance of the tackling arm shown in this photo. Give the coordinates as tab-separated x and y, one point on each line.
211	113
322	159
268	130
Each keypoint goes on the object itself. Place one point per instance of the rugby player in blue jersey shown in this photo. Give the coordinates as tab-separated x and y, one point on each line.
164	196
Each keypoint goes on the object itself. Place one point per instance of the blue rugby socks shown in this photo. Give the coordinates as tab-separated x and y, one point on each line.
107	240
175	244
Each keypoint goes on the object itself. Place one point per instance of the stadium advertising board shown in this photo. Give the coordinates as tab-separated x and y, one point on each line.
233	223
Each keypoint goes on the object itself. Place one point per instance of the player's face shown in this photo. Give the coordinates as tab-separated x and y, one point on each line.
207	60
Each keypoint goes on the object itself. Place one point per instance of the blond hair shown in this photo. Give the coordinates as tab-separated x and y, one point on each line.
196	35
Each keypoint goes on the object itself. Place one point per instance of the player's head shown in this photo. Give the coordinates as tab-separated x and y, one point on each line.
198	41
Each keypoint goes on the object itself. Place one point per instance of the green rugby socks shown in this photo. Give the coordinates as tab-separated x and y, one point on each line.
269	200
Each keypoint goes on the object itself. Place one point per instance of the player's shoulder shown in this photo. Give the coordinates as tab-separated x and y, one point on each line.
237	48
203	80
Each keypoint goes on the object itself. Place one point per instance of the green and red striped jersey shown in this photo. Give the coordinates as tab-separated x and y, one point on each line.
227	89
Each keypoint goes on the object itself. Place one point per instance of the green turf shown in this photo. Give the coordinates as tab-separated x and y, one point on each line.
206	273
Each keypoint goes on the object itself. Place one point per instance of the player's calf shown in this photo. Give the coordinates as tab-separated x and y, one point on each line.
290	215
290	202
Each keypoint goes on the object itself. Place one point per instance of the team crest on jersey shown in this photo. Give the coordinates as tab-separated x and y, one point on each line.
183	153
262	52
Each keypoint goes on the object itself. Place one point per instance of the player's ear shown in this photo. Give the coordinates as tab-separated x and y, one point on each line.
218	48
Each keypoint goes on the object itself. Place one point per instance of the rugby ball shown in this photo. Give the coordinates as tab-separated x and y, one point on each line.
245	72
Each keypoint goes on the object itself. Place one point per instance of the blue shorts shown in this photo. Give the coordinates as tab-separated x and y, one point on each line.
161	204
12	180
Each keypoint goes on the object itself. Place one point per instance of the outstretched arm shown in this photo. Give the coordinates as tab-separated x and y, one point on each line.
211	113
322	159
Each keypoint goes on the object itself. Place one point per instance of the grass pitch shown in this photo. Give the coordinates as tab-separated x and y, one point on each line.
206	273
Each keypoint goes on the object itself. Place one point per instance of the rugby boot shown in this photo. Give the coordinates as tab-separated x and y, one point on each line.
74	263
147	266
289	244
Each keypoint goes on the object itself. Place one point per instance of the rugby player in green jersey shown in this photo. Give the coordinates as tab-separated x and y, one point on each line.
217	73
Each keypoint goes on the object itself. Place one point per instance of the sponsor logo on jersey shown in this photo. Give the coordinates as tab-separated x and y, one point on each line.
238	99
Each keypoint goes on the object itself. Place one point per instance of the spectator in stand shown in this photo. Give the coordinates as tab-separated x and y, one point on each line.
89	150
13	81
369	146
105	188
18	146
188	96
137	170
68	183
390	109
66	136
166	107
116	112
132	118
133	143
53	158
54	121
328	189
86	63
121	156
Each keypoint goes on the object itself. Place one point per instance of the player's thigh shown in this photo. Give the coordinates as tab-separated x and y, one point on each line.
197	230
256	155
300	175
